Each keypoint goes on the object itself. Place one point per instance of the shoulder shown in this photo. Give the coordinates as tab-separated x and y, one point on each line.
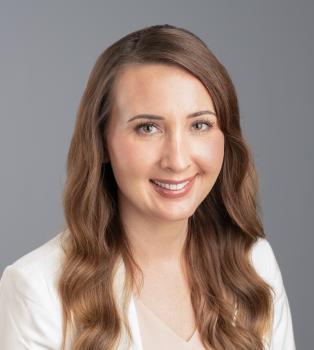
30	306
264	260
37	270
265	263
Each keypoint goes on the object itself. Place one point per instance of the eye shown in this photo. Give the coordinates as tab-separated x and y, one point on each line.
208	123
141	126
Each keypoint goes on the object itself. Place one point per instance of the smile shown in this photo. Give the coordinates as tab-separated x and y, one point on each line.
173	187
171	190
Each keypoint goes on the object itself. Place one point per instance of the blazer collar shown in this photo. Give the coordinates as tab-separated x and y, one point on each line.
118	286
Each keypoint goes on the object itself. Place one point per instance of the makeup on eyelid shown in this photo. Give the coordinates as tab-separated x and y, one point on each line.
149	123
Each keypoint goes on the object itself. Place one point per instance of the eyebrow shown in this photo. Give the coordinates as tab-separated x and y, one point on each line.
158	117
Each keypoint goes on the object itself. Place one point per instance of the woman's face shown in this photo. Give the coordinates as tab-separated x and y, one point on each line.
172	147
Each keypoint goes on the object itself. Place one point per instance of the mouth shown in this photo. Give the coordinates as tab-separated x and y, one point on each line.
173	189
172	182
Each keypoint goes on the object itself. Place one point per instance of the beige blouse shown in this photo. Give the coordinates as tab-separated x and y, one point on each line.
157	335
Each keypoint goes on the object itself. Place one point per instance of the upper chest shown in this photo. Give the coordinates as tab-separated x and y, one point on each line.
166	294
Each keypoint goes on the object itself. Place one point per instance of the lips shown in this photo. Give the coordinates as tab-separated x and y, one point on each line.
173	182
174	193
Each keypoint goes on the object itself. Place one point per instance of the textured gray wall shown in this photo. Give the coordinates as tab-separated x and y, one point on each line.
47	52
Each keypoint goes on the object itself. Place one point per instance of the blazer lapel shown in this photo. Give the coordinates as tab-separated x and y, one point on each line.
118	285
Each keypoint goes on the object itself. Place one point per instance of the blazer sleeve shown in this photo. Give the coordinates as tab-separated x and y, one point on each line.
26	320
282	335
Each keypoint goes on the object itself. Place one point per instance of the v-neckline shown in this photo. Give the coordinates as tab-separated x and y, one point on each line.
164	325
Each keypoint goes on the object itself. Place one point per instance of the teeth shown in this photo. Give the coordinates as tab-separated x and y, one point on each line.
171	186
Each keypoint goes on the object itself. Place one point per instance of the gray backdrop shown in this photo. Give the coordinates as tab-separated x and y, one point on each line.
47	51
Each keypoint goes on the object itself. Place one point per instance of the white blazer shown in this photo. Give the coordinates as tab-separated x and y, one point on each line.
31	315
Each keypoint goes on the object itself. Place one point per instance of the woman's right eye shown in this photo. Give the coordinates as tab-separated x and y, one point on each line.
141	126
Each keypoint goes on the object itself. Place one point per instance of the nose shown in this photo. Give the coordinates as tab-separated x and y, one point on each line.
176	152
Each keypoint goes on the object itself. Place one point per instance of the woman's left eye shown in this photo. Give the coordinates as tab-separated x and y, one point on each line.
205	122
142	126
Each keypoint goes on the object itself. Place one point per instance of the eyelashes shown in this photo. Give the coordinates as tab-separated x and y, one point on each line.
139	126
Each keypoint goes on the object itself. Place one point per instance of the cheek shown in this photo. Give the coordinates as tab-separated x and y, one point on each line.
211	153
129	159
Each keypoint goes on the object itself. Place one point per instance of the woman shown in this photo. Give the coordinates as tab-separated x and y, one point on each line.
163	246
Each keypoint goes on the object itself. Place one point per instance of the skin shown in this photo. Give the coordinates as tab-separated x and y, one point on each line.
174	149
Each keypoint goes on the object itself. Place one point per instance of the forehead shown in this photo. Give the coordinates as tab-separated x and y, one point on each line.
142	87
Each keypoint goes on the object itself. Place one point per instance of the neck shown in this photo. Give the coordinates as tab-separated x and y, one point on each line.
155	241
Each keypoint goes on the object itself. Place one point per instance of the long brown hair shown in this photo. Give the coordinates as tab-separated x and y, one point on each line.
221	232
